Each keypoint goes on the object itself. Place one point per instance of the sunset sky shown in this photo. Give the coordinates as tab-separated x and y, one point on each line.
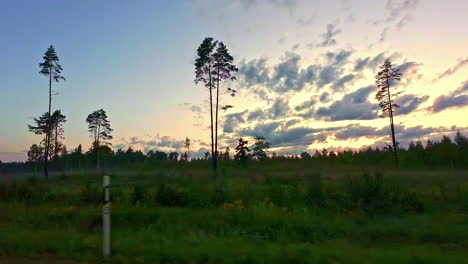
305	81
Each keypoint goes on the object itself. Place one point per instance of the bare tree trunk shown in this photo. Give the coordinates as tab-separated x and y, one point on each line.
211	116
56	143
96	145
46	156
391	124
216	129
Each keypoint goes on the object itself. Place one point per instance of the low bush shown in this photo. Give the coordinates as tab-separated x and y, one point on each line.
138	195
171	197
90	194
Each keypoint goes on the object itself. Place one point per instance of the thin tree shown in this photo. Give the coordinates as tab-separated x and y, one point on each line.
58	119
51	68
203	74
386	95
99	129
187	147
223	70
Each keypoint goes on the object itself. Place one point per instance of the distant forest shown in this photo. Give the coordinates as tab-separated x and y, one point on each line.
214	66
446	153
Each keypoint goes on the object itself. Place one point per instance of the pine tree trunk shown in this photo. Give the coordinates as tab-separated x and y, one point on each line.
216	125
46	157
211	116
391	124
56	143
97	147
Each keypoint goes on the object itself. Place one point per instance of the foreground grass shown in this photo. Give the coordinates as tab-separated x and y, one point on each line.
246	218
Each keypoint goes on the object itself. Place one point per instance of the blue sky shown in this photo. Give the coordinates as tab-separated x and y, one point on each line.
135	60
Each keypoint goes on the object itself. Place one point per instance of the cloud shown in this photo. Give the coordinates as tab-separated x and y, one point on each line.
455	99
339	57
460	64
369	62
353	106
232	121
254	72
356	131
288	76
195	108
280	108
284	76
257	114
157	142
383	35
402	132
292	122
291	5
262	129
286	73
325	97
329	36
403	22
411	133
279	134
306	104
306	21
282	40
410	102
410	72
340	84
395	9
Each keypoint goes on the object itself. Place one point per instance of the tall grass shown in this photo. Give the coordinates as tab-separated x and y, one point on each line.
170	216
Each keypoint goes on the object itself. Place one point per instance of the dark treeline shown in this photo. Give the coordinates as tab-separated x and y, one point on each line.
448	153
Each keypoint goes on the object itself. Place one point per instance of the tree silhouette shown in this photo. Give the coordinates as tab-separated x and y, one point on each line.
41	127
203	74
51	68
213	66
99	129
242	150
305	155
227	155
187	147
35	155
385	79
260	147
58	120
173	155
223	70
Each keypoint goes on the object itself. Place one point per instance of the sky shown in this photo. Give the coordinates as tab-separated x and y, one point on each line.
305	80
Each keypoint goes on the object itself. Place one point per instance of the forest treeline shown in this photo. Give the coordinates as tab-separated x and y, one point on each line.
446	153
214	68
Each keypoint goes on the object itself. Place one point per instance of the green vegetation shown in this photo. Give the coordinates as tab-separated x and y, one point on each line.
254	213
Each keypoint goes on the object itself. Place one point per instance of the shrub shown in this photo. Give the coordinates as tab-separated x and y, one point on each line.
410	202
138	195
219	196
277	194
90	194
315	194
371	193
171	197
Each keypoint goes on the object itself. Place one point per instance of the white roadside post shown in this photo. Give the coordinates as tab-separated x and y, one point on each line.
106	225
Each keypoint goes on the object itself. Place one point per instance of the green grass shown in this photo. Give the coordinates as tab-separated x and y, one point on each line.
246	216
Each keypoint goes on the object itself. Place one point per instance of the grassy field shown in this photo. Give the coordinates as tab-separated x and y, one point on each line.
249	215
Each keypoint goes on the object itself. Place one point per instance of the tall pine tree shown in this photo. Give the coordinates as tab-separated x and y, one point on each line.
51	68
386	95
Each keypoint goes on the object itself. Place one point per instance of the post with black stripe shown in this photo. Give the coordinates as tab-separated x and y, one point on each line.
106	225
